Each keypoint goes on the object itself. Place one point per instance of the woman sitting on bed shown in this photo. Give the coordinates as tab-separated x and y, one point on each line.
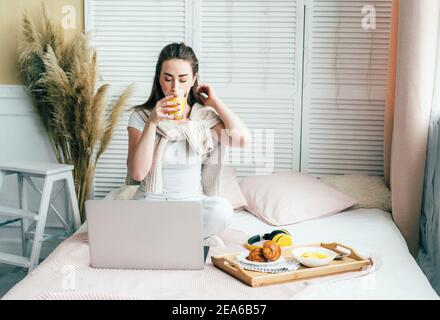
182	159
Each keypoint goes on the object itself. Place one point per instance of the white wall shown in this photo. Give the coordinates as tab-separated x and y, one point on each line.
22	137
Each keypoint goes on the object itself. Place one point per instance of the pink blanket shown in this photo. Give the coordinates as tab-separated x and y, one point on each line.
66	274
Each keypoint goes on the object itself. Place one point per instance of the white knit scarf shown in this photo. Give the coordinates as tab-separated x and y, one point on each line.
197	132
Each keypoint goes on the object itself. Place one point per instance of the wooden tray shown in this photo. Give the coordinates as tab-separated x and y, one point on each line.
352	262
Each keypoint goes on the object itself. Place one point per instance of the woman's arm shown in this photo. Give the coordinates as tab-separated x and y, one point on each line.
141	144
235	128
141	150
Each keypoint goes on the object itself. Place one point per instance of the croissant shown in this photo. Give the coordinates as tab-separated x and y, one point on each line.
271	250
256	255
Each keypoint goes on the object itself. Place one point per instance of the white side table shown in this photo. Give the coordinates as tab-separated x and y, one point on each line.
50	172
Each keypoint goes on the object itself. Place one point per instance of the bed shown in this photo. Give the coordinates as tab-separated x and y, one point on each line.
66	273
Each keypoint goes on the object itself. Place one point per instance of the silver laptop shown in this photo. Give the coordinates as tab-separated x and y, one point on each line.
134	234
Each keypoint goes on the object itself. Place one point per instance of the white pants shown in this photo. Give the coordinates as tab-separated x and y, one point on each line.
216	211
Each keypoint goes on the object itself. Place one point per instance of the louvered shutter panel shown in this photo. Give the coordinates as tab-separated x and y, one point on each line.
129	36
249	51
344	87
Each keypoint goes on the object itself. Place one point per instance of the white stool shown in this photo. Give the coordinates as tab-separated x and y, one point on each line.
50	172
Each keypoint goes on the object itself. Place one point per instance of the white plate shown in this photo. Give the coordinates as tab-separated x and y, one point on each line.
313	262
242	258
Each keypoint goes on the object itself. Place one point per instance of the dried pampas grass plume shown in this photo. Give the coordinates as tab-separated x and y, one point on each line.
60	77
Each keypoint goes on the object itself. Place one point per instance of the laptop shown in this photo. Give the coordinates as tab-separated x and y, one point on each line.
134	234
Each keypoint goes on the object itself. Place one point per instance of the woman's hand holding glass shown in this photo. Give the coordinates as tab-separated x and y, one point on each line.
163	109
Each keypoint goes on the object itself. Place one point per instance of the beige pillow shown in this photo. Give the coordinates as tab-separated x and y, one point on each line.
291	197
369	191
126	192
230	189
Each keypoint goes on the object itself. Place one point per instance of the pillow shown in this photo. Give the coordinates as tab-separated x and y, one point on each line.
230	189
290	197
126	192
369	191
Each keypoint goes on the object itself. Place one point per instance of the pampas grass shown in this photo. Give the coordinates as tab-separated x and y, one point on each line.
61	77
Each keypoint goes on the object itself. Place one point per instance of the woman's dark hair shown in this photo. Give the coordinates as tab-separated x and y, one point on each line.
172	51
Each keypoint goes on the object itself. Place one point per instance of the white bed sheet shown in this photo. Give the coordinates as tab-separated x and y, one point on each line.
370	231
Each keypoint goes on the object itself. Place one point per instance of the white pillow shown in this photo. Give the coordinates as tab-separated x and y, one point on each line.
291	197
369	191
124	192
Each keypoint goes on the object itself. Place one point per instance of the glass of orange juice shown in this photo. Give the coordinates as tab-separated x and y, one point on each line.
181	99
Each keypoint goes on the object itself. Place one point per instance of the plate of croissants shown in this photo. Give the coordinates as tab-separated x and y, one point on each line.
269	254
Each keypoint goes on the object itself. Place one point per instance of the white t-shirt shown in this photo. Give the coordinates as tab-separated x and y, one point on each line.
181	165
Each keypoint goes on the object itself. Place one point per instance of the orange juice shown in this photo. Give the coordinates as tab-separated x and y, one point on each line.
181	99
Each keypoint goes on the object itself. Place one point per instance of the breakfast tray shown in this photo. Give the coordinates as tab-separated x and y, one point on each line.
352	262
